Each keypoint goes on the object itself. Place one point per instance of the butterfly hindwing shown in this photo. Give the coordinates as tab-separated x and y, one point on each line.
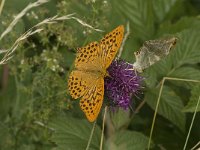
79	82
92	101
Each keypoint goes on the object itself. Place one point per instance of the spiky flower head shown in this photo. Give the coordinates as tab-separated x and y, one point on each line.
122	83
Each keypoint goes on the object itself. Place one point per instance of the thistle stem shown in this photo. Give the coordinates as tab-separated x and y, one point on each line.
91	134
103	125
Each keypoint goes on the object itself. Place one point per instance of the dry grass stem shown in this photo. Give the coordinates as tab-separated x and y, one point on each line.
192	122
124	40
36	29
43	125
1	6
103	127
21	14
198	144
158	101
86	25
91	134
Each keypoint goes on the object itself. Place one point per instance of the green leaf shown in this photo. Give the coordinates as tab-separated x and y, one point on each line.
21	99
139	13
20	4
127	140
7	97
182	24
164	133
71	133
70	57
162	7
170	106
185	73
163	67
120	118
151	77
6	139
187	49
192	104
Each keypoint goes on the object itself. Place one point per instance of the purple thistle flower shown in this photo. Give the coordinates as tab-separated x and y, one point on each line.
122	83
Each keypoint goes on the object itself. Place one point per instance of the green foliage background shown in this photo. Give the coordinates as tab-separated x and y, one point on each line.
37	113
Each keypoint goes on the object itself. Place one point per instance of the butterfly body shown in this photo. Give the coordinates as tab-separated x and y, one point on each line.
86	81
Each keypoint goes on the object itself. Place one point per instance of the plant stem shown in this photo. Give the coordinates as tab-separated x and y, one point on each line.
91	134
140	106
103	125
155	113
179	79
188	135
124	40
1	6
193	148
158	101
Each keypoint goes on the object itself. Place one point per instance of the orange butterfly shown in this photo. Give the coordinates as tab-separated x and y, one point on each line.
87	79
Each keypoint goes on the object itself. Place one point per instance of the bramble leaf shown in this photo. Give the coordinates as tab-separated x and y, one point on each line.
170	106
71	133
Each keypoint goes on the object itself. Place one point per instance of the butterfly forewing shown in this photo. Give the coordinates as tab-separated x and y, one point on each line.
86	56
110	44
